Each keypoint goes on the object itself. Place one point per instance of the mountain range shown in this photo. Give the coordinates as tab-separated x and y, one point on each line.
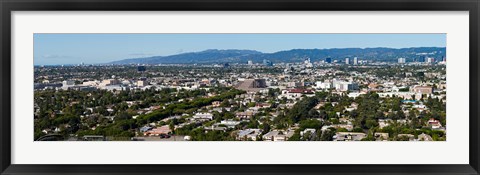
295	55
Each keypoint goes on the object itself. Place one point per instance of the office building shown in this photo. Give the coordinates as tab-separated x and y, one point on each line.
430	60
267	63
328	60
141	68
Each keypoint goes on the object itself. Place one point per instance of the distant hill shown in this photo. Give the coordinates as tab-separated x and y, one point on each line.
295	55
207	56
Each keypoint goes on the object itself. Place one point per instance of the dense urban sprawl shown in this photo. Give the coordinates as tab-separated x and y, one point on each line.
329	100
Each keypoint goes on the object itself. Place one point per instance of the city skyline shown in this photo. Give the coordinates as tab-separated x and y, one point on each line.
314	87
56	49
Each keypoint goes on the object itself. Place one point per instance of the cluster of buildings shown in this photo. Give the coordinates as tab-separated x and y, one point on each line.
293	82
427	60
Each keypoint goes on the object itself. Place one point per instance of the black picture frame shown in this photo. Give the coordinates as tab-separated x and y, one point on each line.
7	6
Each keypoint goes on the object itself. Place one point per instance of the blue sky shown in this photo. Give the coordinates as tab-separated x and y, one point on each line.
55	49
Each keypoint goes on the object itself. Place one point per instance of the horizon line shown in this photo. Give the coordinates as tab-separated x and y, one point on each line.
239	49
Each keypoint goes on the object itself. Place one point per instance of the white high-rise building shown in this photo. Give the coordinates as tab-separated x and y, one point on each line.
346	86
68	83
430	60
341	85
250	62
323	85
355	60
401	60
347	60
308	63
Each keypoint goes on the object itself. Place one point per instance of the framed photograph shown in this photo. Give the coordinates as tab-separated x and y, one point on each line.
239	87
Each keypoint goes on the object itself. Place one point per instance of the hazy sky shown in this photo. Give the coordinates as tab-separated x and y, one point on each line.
53	49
